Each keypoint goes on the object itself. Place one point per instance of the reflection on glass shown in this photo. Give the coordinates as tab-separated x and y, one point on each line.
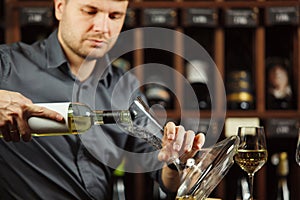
298	149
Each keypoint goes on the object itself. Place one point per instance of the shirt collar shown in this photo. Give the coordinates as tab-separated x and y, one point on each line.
56	57
55	54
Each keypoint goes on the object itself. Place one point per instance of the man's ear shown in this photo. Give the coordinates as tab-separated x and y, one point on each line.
59	6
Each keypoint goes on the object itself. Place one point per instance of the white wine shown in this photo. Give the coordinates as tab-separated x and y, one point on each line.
186	197
78	119
80	124
251	160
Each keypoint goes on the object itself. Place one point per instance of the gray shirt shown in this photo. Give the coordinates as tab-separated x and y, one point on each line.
63	167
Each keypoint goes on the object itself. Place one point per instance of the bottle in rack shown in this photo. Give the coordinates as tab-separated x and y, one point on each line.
78	119
243	192
196	72
279	91
36	23
157	93
240	90
281	160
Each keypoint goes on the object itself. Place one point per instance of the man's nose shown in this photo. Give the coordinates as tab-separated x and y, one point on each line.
101	23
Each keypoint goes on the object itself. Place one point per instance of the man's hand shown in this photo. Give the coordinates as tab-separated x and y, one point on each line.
15	109
177	142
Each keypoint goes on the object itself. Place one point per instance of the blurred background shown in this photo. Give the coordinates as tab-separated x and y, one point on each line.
255	45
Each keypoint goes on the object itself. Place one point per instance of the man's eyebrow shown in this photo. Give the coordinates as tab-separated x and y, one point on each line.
100	9
89	6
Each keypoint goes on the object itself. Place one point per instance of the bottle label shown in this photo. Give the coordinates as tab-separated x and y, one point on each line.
239	87
43	125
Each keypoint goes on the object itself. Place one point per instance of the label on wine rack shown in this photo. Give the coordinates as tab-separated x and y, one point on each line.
282	127
159	17
232	124
282	15
200	17
36	16
130	19
241	17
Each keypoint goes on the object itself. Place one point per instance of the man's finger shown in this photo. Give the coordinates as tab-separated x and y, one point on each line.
199	141
14	131
40	111
24	130
170	131
179	138
189	140
5	133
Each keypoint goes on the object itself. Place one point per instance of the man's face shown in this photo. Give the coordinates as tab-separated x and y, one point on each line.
89	27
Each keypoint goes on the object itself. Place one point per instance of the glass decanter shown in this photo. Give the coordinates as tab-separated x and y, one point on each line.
200	174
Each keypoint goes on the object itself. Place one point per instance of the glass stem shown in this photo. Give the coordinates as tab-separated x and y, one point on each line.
251	177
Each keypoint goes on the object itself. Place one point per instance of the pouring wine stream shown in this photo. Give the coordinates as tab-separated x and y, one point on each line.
146	127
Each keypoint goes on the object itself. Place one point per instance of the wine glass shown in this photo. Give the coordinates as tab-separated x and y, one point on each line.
200	174
252	152
298	149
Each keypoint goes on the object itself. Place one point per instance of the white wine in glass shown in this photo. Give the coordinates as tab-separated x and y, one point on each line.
252	151
298	149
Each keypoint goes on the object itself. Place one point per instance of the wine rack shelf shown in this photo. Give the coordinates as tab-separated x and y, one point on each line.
261	37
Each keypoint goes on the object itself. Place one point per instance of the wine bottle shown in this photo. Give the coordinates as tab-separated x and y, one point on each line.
243	192
157	93
239	90
282	172
281	161
36	23
196	72
78	119
280	94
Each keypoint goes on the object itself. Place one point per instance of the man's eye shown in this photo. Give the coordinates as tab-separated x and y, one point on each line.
115	15
89	11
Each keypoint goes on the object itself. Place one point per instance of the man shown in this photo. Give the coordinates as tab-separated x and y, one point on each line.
63	167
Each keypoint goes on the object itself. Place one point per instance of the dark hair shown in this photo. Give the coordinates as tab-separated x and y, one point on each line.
275	61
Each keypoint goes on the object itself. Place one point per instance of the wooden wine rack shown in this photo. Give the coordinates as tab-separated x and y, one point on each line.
10	26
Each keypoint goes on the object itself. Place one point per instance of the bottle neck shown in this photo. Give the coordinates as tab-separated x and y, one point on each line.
283	190
101	117
282	172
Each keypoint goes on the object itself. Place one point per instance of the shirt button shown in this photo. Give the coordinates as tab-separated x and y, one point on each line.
84	87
